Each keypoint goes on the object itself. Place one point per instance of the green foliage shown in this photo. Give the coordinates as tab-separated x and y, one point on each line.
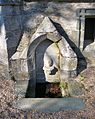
82	77
63	85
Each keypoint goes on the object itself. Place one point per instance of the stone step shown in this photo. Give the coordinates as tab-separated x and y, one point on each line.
50	104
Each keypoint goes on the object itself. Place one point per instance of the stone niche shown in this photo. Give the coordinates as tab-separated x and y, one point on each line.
46	57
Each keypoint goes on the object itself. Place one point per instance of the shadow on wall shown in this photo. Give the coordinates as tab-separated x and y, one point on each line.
13	27
82	64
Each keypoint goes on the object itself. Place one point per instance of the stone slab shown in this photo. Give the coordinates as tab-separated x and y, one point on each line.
50	104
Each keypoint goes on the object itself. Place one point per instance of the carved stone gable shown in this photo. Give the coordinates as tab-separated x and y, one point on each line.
47	56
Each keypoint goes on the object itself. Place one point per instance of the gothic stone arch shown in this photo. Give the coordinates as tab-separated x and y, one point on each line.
46	30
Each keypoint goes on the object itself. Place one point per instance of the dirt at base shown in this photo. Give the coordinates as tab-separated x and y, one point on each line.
7	96
48	90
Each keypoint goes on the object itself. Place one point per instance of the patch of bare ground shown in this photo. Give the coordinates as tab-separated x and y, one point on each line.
7	96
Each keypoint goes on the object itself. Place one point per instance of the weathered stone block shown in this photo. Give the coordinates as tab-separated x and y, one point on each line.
65	49
66	74
24	43
67	63
19	69
89	54
74	38
46	26
55	36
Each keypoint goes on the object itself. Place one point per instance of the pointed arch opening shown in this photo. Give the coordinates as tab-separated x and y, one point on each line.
43	60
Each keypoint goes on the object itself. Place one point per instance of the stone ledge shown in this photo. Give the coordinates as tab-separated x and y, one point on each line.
50	104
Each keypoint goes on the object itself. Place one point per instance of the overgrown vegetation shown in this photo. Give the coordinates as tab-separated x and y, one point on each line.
64	89
82	77
63	85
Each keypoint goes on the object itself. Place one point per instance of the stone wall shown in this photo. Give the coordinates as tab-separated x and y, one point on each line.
10	33
25	19
64	16
13	26
20	21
